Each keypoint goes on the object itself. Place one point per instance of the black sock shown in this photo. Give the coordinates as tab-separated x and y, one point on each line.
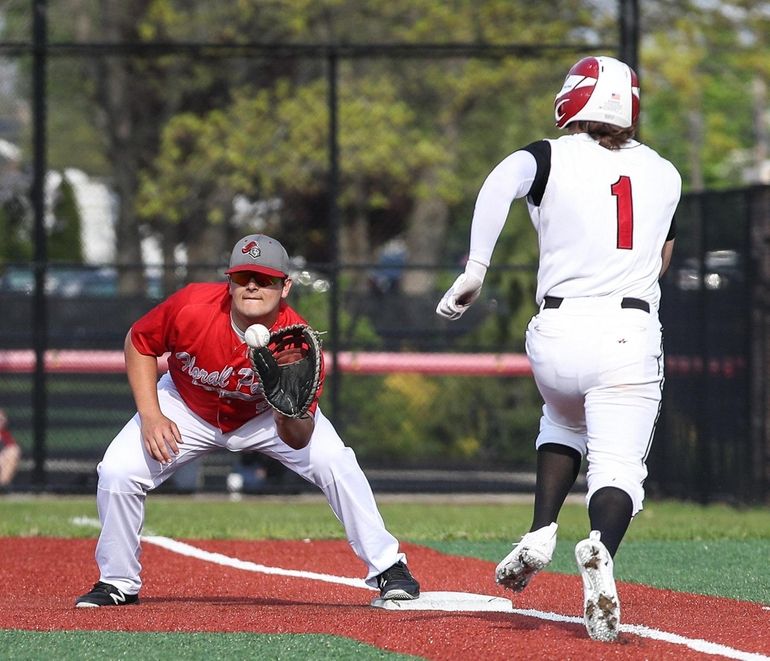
557	469
610	513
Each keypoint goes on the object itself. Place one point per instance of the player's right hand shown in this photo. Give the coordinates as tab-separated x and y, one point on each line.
161	437
463	292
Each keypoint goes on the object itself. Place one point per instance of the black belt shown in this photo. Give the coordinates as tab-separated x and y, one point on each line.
636	303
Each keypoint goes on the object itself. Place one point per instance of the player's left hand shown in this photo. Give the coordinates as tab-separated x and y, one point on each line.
463	292
289	368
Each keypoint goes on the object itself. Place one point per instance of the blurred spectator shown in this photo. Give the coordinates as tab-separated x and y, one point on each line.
10	453
187	479
254	473
251	473
386	278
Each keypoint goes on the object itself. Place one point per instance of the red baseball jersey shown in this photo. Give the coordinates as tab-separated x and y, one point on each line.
208	361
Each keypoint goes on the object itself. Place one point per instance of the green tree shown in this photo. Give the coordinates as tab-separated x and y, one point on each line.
273	144
702	65
14	229
64	238
416	136
443	121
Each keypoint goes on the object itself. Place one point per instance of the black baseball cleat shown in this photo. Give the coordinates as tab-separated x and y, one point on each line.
104	594
398	583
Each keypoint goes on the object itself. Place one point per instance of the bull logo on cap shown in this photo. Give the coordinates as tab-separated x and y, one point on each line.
252	249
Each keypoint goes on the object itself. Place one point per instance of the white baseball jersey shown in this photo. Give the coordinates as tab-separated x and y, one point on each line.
601	216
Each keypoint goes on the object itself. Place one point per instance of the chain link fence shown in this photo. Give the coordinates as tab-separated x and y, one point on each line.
436	406
712	442
146	146
424	403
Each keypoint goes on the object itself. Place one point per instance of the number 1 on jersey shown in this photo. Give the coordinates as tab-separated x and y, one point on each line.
621	189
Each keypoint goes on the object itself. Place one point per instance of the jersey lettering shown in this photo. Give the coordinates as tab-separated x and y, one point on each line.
621	189
202	377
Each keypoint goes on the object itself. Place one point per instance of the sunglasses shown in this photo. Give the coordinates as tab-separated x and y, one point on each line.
242	278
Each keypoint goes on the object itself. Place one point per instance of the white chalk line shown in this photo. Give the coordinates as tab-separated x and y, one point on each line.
500	605
191	551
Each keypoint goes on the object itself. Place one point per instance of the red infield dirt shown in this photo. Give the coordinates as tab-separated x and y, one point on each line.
41	578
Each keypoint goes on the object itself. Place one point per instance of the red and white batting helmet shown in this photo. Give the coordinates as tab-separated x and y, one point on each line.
598	89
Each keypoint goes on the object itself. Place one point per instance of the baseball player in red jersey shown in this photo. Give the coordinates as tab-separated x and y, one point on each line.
603	207
211	399
10	453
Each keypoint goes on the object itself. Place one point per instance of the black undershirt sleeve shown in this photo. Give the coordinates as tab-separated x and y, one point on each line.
672	230
541	150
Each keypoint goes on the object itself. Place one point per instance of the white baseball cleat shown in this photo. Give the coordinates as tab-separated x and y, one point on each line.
529	556
601	603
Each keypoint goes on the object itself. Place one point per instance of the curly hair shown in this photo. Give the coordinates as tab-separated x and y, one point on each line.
608	136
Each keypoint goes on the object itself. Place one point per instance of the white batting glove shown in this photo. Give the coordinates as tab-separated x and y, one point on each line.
463	292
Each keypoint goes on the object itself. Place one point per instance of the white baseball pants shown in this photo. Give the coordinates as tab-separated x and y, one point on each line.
599	369
127	473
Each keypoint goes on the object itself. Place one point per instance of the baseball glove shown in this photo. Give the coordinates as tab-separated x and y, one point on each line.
289	368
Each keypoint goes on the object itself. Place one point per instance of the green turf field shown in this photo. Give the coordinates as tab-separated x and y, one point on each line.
98	645
681	546
670	545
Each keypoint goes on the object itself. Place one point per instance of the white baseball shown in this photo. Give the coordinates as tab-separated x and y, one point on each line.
257	336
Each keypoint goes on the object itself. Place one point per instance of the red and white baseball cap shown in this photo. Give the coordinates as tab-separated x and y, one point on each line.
260	254
598	89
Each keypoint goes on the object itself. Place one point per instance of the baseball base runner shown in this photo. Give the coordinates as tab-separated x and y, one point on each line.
602	205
